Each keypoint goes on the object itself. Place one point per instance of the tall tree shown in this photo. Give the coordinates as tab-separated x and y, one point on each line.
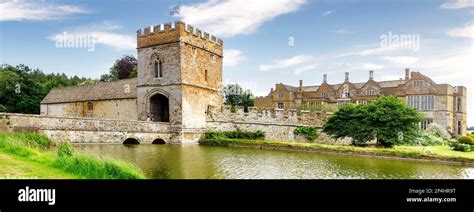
388	120
123	68
236	96
22	89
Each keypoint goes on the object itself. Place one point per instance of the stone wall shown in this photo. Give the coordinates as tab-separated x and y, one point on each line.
277	124
268	116
123	109
86	130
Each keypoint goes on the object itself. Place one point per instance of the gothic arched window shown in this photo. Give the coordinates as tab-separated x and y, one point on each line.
158	69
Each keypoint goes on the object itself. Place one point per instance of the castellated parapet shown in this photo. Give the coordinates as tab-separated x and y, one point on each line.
268	116
178	32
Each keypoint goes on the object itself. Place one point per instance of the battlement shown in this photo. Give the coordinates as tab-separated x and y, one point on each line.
268	116
178	31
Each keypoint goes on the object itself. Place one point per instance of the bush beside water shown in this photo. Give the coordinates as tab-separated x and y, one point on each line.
463	144
236	134
310	133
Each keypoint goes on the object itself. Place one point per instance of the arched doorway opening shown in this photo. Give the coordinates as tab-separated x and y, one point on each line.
158	141
131	141
159	108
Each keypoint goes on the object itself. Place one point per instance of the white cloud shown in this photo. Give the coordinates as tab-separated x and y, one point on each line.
15	10
233	57
102	33
233	17
286	63
329	12
402	60
383	49
368	66
466	31
310	67
458	4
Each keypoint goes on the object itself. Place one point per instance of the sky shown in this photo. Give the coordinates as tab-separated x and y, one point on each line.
265	42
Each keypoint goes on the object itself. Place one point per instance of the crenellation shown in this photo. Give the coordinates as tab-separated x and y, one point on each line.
198	33
167	27
158	28
267	116
190	29
147	31
178	31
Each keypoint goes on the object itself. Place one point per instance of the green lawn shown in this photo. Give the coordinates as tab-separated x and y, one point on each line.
419	152
29	155
12	167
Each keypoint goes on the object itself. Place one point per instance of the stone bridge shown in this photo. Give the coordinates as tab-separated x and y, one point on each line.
88	130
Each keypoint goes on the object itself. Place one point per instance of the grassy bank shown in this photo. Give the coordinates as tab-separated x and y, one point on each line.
29	156
441	153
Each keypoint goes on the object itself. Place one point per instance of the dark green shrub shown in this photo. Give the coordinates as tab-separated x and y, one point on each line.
3	108
236	134
466	140
65	149
308	132
461	147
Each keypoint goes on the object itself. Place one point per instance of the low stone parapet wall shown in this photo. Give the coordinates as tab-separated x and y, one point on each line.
86	130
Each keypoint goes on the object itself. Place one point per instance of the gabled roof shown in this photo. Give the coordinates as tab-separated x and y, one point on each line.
310	88
391	83
289	87
97	91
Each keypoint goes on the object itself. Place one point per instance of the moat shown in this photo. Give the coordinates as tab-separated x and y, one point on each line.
205	162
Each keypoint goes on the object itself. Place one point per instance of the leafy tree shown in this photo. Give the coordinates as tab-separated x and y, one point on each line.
22	89
388	120
235	96
123	68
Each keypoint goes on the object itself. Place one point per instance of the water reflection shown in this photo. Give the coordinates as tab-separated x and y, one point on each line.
202	162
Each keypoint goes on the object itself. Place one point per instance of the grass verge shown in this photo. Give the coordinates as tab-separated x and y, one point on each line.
440	153
29	150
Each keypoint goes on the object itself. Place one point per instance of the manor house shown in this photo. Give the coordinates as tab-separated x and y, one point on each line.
440	103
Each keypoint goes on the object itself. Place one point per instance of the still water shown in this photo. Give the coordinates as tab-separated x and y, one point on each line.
207	162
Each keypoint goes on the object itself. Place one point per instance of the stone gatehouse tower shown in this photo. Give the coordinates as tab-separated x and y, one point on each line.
179	81
179	78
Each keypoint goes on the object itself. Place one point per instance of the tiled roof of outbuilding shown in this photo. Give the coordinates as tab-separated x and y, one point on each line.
120	89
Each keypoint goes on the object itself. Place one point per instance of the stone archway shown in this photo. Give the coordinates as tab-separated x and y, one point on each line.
159	108
131	141
158	141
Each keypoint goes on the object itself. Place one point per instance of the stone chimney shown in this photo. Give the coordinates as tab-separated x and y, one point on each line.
347	77
325	78
271	90
371	75
301	85
407	74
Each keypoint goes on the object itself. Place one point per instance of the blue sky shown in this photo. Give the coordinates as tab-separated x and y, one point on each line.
266	42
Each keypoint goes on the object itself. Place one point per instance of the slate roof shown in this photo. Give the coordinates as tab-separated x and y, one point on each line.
92	92
358	85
